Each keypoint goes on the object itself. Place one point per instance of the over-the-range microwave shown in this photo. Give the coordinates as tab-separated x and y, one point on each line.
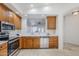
5	26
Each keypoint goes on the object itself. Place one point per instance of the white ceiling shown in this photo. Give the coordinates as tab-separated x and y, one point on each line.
39	8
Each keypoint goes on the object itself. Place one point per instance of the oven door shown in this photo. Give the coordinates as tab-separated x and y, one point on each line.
13	46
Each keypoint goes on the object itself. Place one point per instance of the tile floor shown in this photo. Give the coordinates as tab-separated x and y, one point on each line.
69	50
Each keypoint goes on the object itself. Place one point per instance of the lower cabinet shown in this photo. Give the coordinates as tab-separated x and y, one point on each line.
53	42
30	42
27	42
21	43
36	42
3	49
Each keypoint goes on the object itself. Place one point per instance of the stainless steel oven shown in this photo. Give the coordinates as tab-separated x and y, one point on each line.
13	44
13	41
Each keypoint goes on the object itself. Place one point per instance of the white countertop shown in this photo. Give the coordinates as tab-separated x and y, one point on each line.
1	42
40	35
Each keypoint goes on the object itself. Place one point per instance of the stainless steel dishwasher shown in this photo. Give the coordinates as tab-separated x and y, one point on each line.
44	42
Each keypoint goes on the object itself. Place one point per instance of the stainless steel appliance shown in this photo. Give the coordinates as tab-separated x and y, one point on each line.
4	36
13	45
10	36
5	26
13	41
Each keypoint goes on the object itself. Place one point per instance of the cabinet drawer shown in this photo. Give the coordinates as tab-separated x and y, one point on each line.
53	40
3	46
54	37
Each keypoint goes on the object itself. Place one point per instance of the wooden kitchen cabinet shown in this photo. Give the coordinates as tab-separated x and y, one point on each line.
8	15
17	22
53	42
30	42
3	11
25	42
21	42
36	42
3	49
51	22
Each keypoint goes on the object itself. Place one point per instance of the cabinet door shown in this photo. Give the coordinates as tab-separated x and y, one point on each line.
10	17
36	42
3	49
21	43
51	21
3	52
17	22
2	12
53	42
27	42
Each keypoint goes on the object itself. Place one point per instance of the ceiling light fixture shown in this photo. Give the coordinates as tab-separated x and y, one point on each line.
75	13
33	10
46	8
32	5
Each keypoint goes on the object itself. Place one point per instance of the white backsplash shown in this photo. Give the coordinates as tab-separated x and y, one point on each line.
51	32
14	32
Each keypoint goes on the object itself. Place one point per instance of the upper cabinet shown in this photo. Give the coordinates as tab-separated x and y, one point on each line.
17	22
51	22
3	14
8	15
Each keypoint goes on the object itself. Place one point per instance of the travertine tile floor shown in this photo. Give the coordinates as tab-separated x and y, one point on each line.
69	50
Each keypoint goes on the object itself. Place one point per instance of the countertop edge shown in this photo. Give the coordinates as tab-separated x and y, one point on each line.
2	42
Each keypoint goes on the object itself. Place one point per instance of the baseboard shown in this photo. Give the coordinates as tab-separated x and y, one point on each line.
71	44
39	48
